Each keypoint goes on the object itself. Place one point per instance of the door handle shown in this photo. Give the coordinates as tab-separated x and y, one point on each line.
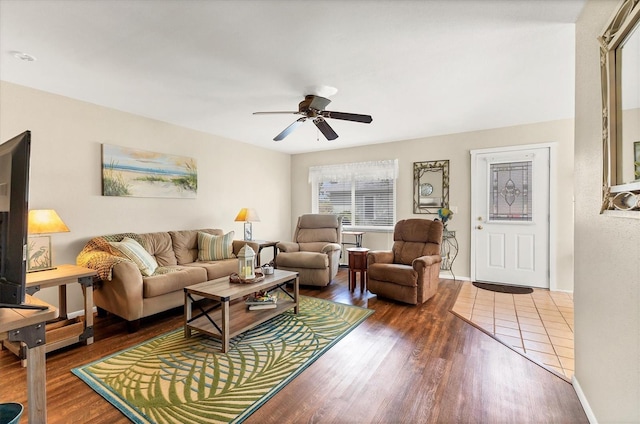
479	227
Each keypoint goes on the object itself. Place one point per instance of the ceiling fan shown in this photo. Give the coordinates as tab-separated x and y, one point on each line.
312	107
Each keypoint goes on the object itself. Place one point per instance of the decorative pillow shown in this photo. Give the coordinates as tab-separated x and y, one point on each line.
215	248
138	254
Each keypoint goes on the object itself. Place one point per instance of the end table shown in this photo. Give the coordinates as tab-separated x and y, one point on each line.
62	332
357	263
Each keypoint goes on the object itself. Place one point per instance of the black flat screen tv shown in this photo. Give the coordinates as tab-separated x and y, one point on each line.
14	213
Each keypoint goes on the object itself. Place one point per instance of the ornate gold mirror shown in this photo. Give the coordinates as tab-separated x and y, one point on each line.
620	67
430	186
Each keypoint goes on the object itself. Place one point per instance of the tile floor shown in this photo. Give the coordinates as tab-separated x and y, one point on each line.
538	325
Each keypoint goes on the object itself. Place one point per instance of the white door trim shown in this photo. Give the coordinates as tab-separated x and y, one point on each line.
553	204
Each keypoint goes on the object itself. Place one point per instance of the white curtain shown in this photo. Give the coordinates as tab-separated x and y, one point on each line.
357	171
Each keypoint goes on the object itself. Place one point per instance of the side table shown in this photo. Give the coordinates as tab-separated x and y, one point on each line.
357	263
263	244
357	242
448	251
27	326
62	332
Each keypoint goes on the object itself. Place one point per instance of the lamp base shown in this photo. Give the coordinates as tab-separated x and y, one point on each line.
248	231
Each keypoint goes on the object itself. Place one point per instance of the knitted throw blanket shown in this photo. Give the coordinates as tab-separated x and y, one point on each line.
98	254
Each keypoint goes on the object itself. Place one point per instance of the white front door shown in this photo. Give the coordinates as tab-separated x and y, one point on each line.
510	216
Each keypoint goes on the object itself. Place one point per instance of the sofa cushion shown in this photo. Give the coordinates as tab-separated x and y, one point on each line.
170	279
306	235
302	260
160	247
217	269
136	253
185	244
215	248
402	275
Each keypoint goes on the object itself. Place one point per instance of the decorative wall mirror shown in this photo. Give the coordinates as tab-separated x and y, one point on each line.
430	186
620	67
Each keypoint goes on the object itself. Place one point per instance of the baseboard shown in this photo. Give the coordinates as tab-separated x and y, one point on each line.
446	275
80	313
583	401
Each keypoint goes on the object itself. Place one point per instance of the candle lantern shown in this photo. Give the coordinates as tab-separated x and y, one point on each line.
246	258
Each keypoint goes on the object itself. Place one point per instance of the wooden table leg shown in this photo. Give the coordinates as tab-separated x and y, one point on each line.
62	300
296	294
187	314
88	310
37	384
225	326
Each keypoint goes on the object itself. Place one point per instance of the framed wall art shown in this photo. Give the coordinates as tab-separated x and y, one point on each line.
140	173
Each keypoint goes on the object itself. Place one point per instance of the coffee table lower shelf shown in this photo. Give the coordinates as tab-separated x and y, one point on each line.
241	318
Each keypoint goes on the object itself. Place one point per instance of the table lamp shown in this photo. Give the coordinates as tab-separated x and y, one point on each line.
42	221
247	215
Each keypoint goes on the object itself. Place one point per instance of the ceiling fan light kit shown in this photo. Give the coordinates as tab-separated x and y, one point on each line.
313	107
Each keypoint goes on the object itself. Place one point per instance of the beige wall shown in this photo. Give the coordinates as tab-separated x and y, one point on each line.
455	148
66	174
607	254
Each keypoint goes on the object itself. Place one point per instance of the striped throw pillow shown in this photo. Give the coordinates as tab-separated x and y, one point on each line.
138	254
215	248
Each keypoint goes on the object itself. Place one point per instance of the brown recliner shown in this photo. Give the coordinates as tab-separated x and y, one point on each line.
315	250
410	272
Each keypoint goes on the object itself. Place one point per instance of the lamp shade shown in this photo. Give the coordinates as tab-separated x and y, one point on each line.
247	215
43	221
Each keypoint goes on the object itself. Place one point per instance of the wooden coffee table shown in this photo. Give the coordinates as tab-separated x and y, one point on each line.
230	316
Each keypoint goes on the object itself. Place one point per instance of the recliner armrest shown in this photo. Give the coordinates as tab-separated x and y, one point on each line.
330	247
379	256
425	261
288	246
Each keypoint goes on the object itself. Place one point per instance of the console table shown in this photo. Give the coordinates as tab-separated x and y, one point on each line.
448	251
65	331
28	327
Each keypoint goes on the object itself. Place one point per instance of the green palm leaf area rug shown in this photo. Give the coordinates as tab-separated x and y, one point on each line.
170	379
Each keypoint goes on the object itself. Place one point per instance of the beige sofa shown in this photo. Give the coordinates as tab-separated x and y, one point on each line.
123	289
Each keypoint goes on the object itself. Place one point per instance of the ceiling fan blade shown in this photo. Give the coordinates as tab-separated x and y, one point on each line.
365	119
325	128
276	113
290	129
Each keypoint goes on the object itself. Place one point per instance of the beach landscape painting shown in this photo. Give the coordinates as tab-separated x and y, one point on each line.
139	173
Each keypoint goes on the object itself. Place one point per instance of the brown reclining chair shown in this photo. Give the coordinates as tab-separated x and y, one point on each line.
410	272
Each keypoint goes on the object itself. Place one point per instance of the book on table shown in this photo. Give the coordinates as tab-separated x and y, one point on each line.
262	299
264	306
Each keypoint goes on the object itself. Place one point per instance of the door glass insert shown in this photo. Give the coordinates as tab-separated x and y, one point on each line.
510	191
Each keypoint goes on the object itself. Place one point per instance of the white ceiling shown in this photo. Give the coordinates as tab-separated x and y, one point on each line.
420	68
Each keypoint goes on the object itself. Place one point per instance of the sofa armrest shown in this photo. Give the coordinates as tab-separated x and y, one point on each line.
123	294
330	247
288	246
379	256
239	244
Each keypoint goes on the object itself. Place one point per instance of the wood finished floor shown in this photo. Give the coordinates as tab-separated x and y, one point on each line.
404	364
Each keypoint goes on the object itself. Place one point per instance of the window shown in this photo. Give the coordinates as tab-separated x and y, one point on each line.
362	193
